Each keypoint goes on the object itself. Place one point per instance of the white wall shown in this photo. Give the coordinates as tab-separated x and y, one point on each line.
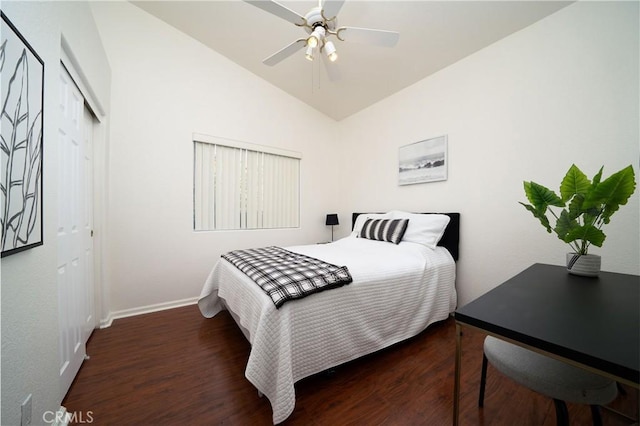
30	355
166	86
563	90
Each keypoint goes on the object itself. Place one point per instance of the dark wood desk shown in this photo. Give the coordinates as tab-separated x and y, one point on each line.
593	323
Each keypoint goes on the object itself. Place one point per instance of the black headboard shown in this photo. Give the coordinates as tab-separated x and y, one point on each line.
451	237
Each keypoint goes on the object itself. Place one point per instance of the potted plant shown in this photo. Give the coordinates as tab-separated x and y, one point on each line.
584	207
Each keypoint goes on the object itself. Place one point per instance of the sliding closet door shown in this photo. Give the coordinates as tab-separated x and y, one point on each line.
75	223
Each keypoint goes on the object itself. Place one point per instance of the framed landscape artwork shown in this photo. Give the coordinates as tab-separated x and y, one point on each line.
424	161
22	73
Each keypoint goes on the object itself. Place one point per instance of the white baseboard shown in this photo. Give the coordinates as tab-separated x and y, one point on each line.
146	310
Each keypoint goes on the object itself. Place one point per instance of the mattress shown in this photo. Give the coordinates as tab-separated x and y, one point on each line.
397	291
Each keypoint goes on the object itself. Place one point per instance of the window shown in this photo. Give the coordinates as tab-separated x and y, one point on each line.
244	186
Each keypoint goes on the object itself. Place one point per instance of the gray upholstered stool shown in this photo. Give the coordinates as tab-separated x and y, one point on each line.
550	377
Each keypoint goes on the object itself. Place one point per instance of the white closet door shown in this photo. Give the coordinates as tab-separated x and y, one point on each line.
74	239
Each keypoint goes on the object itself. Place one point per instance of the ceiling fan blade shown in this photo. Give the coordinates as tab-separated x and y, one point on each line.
330	8
333	70
279	10
285	52
369	36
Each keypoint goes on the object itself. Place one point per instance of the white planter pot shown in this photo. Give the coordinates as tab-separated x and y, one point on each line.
586	265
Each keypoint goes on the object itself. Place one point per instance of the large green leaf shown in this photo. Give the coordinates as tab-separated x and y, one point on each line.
540	215
596	179
575	206
612	192
587	233
541	197
574	182
565	224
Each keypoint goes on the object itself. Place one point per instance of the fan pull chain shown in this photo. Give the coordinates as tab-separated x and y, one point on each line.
315	77
313	80
318	71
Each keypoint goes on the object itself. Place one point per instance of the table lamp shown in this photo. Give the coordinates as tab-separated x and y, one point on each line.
332	220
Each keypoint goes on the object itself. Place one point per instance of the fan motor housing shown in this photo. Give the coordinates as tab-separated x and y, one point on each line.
315	18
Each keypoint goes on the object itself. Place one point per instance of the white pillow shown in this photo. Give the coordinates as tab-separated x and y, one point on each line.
425	229
361	219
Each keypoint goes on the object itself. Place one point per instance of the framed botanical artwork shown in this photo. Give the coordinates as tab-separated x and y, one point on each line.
21	142
424	161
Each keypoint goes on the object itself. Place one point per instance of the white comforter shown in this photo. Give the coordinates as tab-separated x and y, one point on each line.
397	291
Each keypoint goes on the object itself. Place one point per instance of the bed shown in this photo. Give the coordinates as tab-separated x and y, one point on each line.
397	291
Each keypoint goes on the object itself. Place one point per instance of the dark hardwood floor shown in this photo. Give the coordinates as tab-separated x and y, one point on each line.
177	368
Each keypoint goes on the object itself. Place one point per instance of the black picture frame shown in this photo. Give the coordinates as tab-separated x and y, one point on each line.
21	142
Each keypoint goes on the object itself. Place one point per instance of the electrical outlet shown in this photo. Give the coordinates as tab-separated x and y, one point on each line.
25	408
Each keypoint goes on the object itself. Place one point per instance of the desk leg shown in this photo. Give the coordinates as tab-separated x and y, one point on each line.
456	385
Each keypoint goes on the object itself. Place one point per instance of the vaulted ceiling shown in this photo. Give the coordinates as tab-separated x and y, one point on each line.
433	35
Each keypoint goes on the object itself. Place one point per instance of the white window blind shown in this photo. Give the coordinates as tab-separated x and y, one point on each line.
244	186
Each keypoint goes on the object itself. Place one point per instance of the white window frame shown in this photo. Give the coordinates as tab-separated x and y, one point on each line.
260	188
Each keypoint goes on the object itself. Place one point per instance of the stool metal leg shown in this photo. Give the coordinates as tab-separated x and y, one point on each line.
483	380
456	382
562	414
596	415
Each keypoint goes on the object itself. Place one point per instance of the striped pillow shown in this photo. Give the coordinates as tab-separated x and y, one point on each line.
390	230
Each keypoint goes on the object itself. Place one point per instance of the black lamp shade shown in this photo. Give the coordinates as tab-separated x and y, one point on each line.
332	219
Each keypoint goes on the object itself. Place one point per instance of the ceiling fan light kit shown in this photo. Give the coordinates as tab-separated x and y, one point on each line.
321	23
316	36
330	49
309	53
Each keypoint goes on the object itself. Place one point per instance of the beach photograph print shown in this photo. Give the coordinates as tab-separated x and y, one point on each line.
22	73
424	161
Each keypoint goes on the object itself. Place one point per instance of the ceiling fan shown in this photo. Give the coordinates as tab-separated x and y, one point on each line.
321	23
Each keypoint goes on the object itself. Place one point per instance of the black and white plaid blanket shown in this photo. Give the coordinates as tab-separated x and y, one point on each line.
285	275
